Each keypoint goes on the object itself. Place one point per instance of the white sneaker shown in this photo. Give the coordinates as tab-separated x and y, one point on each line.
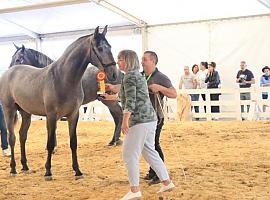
165	188
132	195
6	153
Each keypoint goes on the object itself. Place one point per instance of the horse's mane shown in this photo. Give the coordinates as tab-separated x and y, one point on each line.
99	38
41	58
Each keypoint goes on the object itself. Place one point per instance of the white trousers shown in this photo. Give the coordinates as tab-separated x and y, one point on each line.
140	139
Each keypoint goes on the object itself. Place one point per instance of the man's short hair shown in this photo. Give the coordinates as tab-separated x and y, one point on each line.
153	55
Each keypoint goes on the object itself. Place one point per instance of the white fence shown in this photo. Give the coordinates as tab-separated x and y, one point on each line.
229	103
94	111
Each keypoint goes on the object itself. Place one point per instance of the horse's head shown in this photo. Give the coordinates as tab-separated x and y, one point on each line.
18	56
101	55
25	56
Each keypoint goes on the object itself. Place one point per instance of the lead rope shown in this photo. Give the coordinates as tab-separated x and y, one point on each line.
157	96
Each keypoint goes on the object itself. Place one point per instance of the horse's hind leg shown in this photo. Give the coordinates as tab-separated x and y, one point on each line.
51	128
11	116
117	114
72	125
26	121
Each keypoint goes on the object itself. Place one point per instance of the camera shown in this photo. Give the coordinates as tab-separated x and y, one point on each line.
242	78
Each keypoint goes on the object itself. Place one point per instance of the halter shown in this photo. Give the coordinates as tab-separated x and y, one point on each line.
100	60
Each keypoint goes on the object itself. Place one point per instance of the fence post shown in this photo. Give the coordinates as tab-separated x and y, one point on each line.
208	105
238	105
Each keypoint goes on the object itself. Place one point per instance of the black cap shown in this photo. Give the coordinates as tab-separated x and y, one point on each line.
266	67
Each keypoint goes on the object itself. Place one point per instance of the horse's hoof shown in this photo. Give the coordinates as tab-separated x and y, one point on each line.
79	177
48	178
13	174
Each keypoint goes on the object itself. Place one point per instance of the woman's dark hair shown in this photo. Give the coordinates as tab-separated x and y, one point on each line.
195	65
205	64
213	64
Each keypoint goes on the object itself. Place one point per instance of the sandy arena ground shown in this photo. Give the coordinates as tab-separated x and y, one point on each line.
222	160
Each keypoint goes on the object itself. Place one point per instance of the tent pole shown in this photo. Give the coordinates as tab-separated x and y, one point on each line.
144	33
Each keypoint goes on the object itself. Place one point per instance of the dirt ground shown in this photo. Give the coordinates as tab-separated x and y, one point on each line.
221	160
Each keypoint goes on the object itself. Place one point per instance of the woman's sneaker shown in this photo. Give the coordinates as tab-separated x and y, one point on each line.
6	153
132	195
165	188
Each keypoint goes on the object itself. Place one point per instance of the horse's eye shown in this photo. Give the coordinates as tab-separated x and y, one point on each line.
100	49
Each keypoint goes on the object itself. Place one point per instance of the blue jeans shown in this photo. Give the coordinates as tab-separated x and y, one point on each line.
264	96
195	97
3	129
245	96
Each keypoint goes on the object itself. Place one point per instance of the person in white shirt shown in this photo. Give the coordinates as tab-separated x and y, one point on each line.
201	78
195	97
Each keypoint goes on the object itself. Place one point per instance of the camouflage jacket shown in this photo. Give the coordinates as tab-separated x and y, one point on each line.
135	98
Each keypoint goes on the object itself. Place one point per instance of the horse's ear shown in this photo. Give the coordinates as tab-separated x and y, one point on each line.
105	30
96	32
23	48
16	46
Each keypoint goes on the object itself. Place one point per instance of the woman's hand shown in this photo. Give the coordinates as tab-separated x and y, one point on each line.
113	88
109	97
125	126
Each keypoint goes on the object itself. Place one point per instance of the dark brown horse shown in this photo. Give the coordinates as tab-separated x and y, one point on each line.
37	59
54	91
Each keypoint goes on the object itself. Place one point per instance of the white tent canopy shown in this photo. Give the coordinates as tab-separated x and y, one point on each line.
40	17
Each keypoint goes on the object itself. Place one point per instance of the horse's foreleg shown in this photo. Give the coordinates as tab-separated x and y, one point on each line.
51	128
72	125
26	121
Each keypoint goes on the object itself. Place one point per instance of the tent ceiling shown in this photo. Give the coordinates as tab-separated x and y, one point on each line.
35	17
171	11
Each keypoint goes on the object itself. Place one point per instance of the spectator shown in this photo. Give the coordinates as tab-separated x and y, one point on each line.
3	130
195	97
265	82
213	80
245	78
188	80
201	79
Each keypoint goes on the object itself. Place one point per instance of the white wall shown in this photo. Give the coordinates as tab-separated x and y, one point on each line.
226	42
7	50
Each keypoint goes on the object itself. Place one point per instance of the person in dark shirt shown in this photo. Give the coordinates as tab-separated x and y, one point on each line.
213	81
3	131
265	82
245	78
159	85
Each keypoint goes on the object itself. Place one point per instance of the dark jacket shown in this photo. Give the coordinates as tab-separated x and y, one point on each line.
212	80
